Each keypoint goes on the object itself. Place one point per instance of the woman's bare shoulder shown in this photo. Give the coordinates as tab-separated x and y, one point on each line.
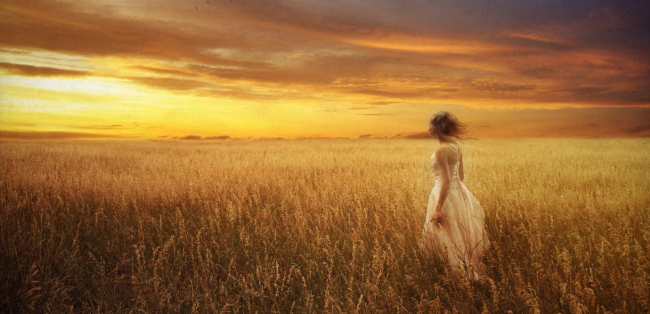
444	151
448	152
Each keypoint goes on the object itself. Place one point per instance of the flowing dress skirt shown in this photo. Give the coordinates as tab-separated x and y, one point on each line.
461	237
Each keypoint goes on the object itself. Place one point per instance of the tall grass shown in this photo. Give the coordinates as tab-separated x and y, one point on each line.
317	226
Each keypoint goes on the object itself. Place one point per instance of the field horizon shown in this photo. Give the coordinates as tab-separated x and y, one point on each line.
317	225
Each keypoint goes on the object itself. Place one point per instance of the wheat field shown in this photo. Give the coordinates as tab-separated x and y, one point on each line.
318	226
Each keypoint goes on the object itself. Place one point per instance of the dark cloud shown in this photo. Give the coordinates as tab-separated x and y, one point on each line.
380	103
389	93
539	72
578	23
190	137
164	71
319	137
567	122
199	137
499	87
421	135
638	129
360	108
30	70
602	96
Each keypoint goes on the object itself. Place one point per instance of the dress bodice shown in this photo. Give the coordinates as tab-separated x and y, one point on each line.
453	171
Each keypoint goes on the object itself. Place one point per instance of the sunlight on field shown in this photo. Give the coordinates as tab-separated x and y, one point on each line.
317	225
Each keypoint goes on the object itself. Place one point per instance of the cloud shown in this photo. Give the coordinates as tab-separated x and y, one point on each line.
36	135
360	108
381	103
638	129
171	83
318	137
198	137
388	93
190	137
420	135
164	71
100	127
30	70
500	87
567	122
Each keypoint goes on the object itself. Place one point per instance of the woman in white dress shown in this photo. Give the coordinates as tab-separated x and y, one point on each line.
454	225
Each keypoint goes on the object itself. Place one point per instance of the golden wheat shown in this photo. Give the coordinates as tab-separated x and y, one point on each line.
317	226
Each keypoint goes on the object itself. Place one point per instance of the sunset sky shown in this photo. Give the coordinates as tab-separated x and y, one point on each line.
165	69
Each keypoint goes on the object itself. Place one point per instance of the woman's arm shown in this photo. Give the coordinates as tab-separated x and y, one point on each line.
445	180
461	172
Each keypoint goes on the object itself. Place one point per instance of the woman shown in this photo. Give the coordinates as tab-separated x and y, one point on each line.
454	221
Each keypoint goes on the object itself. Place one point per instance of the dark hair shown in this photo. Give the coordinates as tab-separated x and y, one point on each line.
446	127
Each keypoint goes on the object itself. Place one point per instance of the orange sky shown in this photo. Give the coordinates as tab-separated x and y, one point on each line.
306	68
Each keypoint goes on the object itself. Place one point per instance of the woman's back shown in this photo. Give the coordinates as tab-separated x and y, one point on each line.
453	156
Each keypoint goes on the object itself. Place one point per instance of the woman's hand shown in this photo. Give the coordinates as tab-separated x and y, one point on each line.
438	216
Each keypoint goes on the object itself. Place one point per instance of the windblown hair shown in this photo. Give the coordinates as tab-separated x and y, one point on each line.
447	127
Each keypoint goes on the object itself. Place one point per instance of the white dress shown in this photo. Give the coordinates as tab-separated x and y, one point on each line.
461	237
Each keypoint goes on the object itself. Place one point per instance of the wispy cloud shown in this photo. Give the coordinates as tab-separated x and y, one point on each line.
381	103
102	127
54	135
30	70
